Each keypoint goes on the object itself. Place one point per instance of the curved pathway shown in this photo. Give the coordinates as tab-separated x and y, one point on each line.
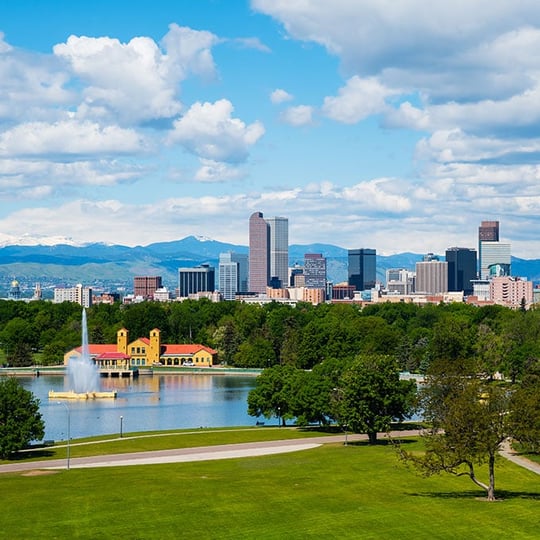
225	451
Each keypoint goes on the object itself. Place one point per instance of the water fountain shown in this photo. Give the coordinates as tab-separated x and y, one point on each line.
83	374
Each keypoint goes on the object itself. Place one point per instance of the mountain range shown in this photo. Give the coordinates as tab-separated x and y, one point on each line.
112	267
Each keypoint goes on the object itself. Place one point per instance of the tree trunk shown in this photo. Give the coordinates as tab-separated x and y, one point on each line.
491	488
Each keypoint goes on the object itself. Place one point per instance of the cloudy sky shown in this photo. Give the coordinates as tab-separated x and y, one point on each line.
368	123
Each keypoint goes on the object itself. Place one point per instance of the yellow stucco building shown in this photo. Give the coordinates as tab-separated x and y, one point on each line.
146	352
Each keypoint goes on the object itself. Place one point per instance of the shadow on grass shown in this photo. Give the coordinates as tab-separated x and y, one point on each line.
382	442
501	495
32	454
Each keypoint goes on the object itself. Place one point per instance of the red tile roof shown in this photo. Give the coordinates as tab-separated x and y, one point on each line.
186	348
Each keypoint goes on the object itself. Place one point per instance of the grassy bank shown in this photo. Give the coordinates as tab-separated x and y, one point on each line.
333	491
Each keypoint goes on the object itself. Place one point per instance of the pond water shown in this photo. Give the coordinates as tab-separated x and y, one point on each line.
147	403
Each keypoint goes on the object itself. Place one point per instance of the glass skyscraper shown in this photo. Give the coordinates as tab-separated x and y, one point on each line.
362	268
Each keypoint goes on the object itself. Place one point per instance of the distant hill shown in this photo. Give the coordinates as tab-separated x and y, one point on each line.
114	266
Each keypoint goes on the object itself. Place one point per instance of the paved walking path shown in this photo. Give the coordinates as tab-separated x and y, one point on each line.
507	452
225	451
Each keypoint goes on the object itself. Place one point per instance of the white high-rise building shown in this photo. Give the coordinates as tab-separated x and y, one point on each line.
78	294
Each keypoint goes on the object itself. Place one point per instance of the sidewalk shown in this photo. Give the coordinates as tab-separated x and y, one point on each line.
511	455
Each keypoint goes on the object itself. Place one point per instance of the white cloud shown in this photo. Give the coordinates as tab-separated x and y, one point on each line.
280	96
302	115
136	81
357	100
68	138
215	171
209	131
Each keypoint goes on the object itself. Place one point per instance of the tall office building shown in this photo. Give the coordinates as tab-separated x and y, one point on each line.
279	249
487	232
259	253
432	277
362	268
268	252
314	271
496	259
197	279
146	286
233	274
461	269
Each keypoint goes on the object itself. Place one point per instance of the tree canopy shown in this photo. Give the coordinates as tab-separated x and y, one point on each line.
20	419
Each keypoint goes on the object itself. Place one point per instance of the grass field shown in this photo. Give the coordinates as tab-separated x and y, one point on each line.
333	491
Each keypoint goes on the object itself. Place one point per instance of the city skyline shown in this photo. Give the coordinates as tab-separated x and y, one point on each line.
134	123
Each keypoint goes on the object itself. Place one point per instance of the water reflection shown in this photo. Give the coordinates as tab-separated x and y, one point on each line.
145	404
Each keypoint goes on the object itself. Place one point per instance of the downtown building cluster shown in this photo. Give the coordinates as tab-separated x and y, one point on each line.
479	276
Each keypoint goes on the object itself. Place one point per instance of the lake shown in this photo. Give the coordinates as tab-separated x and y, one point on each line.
147	403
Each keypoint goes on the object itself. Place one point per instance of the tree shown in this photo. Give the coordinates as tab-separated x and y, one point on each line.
524	417
273	393
468	423
370	395
20	419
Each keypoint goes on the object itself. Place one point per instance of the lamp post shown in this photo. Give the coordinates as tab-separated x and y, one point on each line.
279	416
68	430
121	422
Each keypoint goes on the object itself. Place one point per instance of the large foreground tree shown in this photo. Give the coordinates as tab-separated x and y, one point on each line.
20	419
370	395
468	419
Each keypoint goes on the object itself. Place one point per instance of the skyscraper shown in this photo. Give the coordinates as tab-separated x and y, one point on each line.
362	268
259	253
279	249
233	274
432	277
461	269
315	271
487	232
496	259
146	286
268	252
197	279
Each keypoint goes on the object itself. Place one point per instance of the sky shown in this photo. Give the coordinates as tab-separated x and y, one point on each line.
398	126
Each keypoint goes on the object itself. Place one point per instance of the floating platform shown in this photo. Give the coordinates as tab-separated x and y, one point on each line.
82	395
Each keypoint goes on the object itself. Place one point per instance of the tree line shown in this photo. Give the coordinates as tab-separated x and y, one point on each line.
503	340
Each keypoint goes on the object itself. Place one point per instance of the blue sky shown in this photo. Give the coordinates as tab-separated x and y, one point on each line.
391	125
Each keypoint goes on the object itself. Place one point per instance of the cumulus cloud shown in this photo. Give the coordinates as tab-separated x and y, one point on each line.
301	115
209	131
137	81
357	100
68	138
280	96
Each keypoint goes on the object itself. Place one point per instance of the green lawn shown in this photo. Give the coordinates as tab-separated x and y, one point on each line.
333	491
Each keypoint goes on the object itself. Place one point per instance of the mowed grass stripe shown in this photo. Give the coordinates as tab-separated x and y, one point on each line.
333	491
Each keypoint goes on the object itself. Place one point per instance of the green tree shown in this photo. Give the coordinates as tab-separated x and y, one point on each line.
273	393
20	419
524	415
468	423
371	395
